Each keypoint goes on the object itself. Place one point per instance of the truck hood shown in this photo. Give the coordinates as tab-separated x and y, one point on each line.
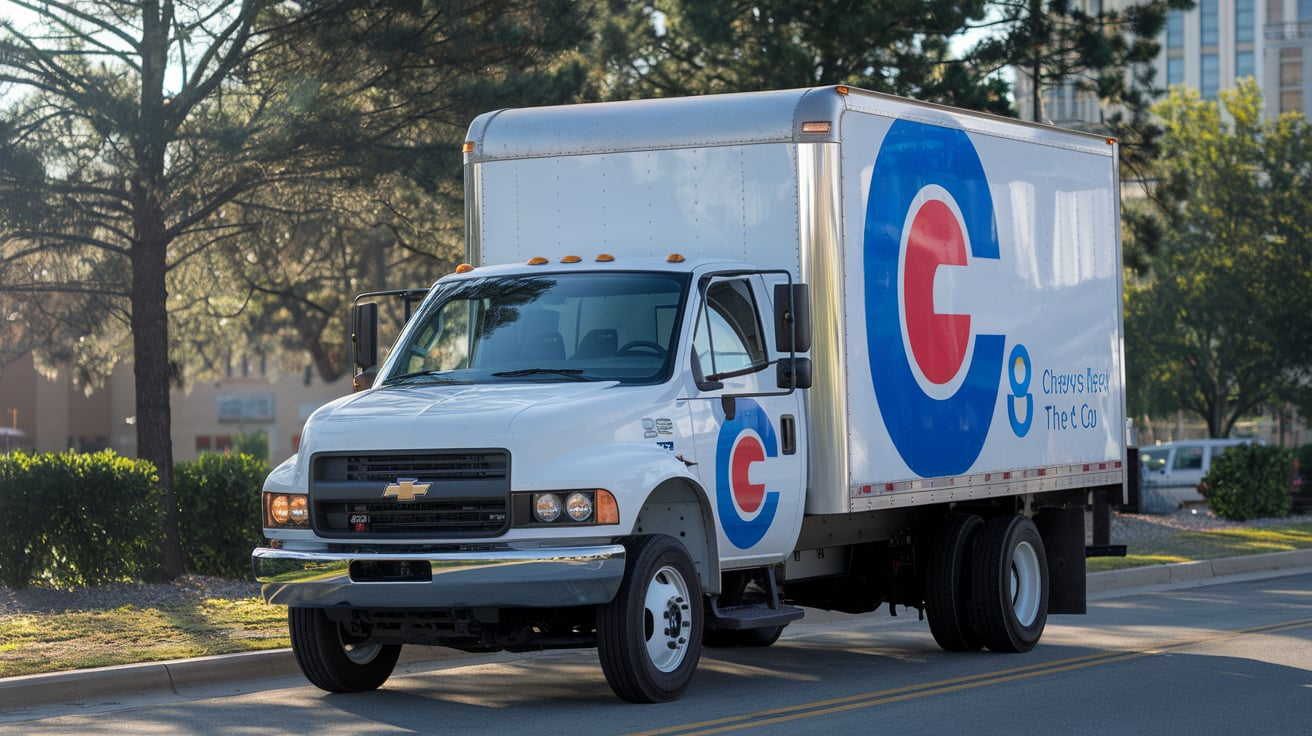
477	410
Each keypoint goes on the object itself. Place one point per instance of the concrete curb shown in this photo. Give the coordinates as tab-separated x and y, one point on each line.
171	676
174	676
1185	572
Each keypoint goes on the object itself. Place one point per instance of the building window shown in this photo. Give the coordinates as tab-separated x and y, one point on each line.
1211	76
1243	21
1174	70
1275	11
1244	64
1291	67
213	443
1305	9
1211	21
1291	101
1175	29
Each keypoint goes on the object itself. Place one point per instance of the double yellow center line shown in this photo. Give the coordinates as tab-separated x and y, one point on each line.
943	687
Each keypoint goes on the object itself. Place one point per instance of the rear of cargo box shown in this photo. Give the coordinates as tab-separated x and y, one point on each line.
972	278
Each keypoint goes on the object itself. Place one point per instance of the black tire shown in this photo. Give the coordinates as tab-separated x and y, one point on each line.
947	589
649	637
1009	585
331	661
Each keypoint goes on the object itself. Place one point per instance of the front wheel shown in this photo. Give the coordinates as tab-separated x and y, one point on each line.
1009	583
649	637
332	659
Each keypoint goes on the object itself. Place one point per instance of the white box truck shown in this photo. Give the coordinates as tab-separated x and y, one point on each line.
712	360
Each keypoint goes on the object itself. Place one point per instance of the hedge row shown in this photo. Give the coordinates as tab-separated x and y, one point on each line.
81	519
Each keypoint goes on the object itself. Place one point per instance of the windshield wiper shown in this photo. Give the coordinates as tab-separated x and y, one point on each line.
435	376
573	373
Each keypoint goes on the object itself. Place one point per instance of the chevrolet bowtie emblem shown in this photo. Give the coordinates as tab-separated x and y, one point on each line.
405	489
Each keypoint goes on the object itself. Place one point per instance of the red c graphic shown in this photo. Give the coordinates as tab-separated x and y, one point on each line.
748	495
938	341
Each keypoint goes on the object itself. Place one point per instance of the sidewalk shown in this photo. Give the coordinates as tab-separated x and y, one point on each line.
177	675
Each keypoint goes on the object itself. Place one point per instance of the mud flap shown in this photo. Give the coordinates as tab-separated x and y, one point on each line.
1062	530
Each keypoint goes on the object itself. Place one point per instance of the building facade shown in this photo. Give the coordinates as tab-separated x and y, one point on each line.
45	414
1208	48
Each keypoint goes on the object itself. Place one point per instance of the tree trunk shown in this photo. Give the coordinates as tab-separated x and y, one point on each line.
150	322
151	369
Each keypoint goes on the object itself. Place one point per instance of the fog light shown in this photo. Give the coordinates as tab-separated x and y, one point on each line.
578	506
546	507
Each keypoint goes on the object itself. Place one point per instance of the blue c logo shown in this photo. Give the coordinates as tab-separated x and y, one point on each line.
746	509
929	192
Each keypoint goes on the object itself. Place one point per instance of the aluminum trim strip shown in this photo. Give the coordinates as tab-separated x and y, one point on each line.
820	210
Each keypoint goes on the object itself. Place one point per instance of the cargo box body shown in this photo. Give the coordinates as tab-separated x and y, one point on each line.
964	269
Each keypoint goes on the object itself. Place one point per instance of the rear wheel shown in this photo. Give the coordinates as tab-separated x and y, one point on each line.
947	591
334	660
1009	585
649	637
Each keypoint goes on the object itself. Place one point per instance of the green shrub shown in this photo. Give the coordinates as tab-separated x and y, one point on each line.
78	519
1250	482
219	512
255	444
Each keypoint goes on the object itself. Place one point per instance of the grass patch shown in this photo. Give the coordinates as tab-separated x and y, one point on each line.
54	642
1210	545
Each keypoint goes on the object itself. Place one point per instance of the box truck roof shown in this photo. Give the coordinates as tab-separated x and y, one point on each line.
809	115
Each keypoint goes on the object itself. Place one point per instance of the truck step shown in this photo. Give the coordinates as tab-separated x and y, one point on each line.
750	616
1104	550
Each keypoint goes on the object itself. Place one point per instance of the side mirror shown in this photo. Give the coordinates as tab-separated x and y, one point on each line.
792	318
793	373
364	340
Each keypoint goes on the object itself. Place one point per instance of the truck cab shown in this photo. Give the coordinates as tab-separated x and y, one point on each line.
594	401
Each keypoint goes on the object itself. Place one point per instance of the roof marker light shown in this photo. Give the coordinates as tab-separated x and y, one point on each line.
819	126
674	258
464	268
570	259
468	147
536	261
842	89
605	258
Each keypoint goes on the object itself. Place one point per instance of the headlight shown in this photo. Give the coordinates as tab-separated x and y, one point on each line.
579	506
570	508
546	507
286	510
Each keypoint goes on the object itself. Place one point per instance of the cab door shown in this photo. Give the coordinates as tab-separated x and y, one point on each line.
750	443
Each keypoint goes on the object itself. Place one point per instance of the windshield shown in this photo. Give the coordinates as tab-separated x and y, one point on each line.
587	326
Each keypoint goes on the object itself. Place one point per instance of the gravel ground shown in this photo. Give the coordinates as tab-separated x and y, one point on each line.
189	587
1130	528
1126	529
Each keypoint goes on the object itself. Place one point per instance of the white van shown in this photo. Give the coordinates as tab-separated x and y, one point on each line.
1176	468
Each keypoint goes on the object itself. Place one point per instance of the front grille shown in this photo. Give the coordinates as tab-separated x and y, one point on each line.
467	494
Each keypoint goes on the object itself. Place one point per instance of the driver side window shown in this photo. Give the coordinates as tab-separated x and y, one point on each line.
729	339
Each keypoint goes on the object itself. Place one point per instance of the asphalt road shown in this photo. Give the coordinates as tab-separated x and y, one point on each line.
1231	657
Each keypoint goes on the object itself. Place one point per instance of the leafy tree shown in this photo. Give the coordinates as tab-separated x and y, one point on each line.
1107	52
1218	325
667	48
140	139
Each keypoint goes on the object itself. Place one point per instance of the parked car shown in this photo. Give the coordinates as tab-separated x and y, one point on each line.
1174	469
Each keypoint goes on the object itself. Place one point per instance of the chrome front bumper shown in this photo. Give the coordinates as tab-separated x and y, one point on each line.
546	578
